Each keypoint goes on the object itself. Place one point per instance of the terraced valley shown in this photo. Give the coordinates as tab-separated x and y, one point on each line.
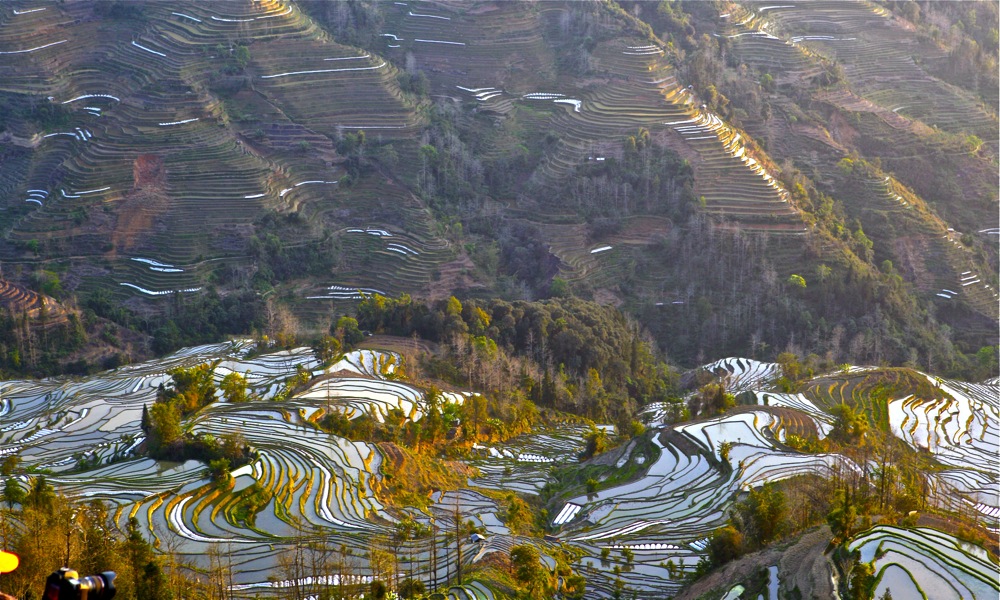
449	300
328	489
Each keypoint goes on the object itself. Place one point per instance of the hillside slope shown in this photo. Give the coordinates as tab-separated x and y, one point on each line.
736	175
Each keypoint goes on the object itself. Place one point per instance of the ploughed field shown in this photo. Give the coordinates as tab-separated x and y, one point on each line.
660	495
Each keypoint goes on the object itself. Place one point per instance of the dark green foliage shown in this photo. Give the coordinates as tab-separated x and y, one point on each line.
668	20
411	588
242	56
725	545
862	582
649	179
761	516
360	428
526	259
843	516
278	260
9	464
734	305
119	10
574	587
41	496
414	83
755	522
559	288
102	304
218	469
575	338
235	58
234	388
711	399
379	590
346	330
450	175
355	22
37	111
190	390
34	345
430	433
206	449
190	320
597	442
13	493
206	318
164	426
148	579
326	348
252	500
359	152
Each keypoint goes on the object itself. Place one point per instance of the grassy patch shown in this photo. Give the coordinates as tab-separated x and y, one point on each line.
409	477
593	476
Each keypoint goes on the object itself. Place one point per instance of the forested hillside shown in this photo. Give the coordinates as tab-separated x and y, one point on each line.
740	178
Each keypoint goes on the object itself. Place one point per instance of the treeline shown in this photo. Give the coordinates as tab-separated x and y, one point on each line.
48	532
38	111
277	260
190	390
234	302
647	178
354	22
34	344
189	319
729	300
563	353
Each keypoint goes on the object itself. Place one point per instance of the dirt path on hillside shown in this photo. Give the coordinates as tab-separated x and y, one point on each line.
807	567
803	565
736	571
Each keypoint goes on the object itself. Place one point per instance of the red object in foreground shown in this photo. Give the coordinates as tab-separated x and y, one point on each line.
8	562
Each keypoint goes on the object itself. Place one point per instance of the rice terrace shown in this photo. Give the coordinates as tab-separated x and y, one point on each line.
489	300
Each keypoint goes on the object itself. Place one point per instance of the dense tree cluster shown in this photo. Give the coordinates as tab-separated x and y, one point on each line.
278	260
355	22
647	179
524	258
731	301
189	320
755	522
190	390
18	109
563	353
34	344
